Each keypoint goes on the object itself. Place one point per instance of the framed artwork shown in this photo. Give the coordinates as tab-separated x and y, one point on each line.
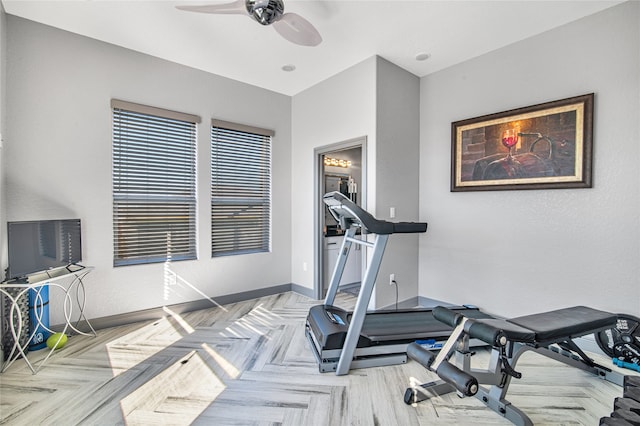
542	146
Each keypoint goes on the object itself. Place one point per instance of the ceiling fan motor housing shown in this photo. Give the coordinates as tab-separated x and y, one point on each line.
265	11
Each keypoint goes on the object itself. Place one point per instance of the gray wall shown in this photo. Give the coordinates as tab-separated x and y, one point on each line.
338	109
57	157
380	101
508	252
3	204
397	176
3	90
516	252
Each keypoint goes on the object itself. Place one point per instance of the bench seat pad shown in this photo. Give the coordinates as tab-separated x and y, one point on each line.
565	323
513	332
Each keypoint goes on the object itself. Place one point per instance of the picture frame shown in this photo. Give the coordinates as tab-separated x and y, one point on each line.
543	146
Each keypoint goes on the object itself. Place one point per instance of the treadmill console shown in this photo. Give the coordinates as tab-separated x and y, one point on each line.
335	318
347	213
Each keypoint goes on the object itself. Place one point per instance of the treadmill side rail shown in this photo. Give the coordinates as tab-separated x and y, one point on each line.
343	254
359	313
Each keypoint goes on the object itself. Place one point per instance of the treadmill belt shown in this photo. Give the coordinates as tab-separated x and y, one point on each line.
408	324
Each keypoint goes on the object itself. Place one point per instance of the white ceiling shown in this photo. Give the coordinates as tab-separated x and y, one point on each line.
239	48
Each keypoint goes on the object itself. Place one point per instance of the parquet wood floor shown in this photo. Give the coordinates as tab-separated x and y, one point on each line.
249	364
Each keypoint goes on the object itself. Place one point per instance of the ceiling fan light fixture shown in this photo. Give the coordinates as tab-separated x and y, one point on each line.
266	12
290	26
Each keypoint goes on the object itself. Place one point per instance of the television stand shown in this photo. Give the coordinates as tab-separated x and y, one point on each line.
69	280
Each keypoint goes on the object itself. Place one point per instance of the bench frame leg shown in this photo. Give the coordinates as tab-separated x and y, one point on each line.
498	381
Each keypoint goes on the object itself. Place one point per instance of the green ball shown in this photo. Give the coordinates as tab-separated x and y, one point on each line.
52	341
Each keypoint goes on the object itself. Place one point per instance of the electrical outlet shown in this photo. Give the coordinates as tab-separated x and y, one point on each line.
392	278
304	266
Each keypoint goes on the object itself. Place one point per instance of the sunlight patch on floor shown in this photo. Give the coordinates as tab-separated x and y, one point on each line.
185	325
258	321
229	368
133	348
178	395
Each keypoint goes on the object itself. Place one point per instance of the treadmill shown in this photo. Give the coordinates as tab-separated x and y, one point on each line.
343	340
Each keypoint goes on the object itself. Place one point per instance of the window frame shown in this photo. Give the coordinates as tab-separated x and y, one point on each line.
145	191
232	208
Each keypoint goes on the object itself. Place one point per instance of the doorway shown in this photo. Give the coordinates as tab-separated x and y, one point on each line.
339	167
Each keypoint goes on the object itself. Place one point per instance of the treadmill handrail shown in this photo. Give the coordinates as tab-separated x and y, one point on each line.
348	213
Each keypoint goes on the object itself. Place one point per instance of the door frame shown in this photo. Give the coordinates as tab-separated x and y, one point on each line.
319	152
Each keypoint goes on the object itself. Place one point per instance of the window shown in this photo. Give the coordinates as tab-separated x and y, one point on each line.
154	184
240	189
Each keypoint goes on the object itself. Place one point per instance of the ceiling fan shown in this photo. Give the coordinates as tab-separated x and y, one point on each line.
291	26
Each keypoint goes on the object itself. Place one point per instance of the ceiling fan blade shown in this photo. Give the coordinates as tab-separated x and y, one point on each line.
297	30
235	8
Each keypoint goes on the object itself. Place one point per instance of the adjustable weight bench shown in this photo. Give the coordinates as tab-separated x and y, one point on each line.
550	334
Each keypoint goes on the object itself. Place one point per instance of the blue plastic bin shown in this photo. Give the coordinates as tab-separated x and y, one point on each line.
39	317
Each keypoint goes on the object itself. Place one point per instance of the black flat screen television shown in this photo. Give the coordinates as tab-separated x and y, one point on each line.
40	245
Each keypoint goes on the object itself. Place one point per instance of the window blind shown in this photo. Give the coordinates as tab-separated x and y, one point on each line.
154	184
240	189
